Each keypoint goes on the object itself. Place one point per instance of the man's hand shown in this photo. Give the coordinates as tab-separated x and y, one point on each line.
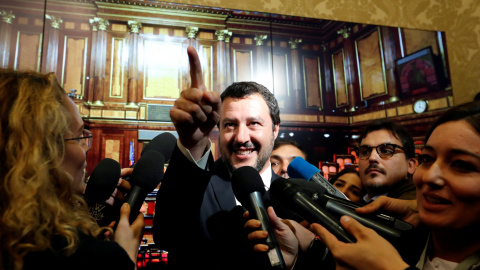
285	237
370	250
405	209
197	111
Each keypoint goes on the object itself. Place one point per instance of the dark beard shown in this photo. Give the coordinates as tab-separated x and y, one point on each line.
263	157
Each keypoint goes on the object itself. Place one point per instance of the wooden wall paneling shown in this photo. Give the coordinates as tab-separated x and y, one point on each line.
27	48
74	65
312	81
242	61
371	67
208	58
94	154
162	70
116	72
113	146
416	39
339	79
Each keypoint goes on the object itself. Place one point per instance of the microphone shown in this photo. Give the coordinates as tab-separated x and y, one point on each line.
388	226
291	196
248	188
101	185
146	175
163	143
299	168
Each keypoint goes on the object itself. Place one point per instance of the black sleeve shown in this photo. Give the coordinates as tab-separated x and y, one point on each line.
177	208
316	257
91	254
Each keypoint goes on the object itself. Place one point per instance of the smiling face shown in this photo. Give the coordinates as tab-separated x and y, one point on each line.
448	178
247	134
75	160
379	174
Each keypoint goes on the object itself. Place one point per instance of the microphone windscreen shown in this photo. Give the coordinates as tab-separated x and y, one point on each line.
246	180
300	168
148	171
103	180
283	189
163	143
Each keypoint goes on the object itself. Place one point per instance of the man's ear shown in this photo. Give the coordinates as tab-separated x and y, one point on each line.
412	165
276	129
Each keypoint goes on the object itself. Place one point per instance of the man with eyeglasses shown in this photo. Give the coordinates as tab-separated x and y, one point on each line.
387	161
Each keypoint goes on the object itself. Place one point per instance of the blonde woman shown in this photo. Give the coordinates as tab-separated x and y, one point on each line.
43	218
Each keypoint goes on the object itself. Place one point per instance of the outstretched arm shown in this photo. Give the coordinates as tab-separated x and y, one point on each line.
197	110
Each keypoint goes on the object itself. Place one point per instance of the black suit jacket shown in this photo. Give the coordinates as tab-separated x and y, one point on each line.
196	218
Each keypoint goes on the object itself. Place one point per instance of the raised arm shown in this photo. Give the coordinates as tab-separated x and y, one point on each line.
197	111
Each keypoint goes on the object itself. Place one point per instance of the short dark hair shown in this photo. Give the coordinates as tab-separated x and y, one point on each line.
396	130
469	112
243	89
280	142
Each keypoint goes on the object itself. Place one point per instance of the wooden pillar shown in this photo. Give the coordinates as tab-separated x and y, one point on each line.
329	101
91	72
5	31
192	35
262	75
132	97
221	60
52	47
99	59
350	74
228	62
296	75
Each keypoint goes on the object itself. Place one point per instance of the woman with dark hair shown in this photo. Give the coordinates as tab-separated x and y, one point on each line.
349	183
448	203
44	222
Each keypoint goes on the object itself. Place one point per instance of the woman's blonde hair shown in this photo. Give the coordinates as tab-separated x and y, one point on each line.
36	201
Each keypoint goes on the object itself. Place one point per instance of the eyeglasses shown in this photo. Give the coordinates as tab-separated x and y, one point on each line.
86	138
386	150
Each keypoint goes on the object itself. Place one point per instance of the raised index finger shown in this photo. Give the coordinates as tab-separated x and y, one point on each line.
195	69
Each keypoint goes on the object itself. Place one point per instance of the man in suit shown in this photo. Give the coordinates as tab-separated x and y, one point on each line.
197	217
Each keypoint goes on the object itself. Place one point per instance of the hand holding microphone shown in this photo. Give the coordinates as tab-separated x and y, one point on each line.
287	240
293	197
248	188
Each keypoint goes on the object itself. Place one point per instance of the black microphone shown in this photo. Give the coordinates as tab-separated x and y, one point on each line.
248	188
291	196
145	177
163	143
100	186
386	225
